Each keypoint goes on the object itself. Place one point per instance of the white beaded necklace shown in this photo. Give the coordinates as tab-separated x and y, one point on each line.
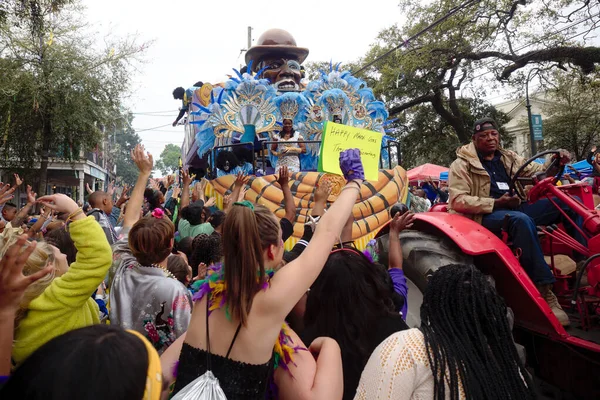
166	271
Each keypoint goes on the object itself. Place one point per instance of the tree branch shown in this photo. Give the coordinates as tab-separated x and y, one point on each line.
414	102
583	57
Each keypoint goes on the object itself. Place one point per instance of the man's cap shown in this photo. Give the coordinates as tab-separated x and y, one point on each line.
480	125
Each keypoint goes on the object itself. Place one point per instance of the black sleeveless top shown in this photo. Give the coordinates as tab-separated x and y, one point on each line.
239	380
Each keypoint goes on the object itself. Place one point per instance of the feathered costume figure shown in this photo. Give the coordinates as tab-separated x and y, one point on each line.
249	110
243	112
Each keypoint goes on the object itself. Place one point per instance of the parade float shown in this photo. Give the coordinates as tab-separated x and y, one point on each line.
248	111
233	125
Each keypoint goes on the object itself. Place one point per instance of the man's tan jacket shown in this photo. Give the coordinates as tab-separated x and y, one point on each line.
470	183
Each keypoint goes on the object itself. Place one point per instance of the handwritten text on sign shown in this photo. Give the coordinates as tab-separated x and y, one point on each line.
338	137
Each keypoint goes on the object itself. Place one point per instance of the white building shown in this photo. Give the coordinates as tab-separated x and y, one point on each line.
518	126
95	168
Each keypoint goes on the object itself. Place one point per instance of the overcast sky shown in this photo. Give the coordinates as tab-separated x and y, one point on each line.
201	40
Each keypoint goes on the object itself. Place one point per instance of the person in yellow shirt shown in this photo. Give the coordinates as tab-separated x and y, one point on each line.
60	301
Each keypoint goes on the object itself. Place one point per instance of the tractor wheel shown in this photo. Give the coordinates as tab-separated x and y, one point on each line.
423	254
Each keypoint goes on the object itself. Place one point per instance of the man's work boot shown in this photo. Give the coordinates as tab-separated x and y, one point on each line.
548	295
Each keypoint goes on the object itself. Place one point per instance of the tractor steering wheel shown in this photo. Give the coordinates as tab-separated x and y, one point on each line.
516	184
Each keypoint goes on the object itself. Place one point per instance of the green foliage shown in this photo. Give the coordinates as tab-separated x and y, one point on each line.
168	162
125	139
314	69
427	138
574	120
489	42
58	88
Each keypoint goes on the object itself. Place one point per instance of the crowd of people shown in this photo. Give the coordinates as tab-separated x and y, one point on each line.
160	295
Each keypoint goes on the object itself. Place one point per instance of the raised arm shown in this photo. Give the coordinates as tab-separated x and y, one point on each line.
20	217
186	180
200	189
35	228
398	224
346	235
288	198
144	163
292	281
12	288
322	193
93	259
240	181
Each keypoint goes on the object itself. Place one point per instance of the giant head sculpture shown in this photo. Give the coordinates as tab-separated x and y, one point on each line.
277	54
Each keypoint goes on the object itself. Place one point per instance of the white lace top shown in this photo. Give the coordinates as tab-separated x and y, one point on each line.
399	369
292	161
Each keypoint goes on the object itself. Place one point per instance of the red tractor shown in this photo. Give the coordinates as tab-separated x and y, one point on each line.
566	358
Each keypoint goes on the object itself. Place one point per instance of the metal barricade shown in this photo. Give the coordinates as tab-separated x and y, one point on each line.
391	144
266	143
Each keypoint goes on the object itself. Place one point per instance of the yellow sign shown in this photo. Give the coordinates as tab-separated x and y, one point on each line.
338	137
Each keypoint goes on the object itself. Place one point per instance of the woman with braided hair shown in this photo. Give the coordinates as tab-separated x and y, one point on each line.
463	350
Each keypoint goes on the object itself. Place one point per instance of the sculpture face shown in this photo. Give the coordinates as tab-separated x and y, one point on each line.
283	73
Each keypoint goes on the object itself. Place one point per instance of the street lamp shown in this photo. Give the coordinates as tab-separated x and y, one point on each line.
528	106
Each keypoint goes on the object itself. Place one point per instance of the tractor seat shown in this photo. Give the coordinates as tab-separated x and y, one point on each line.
440	207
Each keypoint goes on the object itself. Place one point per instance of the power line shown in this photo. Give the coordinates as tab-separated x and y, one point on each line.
422	31
154	112
150	129
156	115
162	131
574	24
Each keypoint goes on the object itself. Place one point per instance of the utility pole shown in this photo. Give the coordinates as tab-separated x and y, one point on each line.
249	43
528	106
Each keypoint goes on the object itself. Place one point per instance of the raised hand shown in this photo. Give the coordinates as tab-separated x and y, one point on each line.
31	195
176	192
322	191
18	180
12	281
401	222
88	188
170	180
210	202
186	178
593	149
46	213
202	184
226	201
241	180
124	196
111	189
6	193
242	194
142	159
59	202
284	176
351	165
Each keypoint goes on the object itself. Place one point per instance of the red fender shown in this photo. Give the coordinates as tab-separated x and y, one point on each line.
493	257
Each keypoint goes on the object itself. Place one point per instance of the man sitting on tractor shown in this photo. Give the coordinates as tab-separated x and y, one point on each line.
479	189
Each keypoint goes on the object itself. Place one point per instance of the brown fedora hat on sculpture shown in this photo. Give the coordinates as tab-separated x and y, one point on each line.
275	42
